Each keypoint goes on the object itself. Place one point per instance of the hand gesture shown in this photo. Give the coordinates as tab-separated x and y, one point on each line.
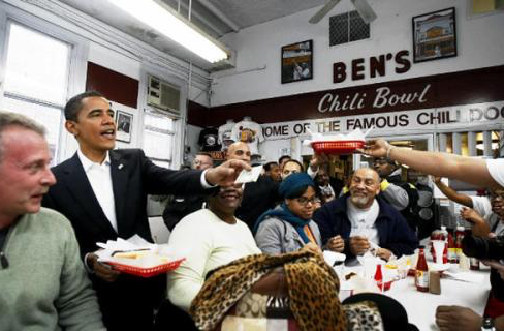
376	148
103	271
336	244
359	245
457	318
383	253
226	173
471	215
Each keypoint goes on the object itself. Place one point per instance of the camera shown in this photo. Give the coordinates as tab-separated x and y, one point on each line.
483	248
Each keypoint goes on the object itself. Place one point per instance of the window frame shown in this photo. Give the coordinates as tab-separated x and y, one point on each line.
179	122
77	64
348	42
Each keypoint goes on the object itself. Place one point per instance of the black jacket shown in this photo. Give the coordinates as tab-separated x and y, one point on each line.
394	232
180	206
259	197
410	212
129	302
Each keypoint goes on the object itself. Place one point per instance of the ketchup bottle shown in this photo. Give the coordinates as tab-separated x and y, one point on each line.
444	236
458	242
422	278
378	278
435	235
451	250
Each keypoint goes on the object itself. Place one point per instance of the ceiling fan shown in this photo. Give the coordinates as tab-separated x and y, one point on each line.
365	11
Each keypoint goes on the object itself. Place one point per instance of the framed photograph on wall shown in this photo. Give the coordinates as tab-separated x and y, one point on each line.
296	62
434	35
124	126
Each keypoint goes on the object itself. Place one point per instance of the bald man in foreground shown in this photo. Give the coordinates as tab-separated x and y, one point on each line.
259	196
365	221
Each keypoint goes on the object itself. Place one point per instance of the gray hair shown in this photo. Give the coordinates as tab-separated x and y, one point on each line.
11	119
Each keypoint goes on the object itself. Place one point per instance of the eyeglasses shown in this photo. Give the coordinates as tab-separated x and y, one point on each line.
197	162
305	201
497	196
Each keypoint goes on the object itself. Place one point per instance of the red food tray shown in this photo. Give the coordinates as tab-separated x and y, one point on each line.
147	272
337	147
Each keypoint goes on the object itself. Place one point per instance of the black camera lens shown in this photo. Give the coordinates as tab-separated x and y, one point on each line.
483	248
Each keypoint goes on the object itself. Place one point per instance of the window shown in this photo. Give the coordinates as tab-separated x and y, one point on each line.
158	135
36	79
347	27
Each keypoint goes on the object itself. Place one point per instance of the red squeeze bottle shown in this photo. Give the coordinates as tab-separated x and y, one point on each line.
444	254
378	278
422	278
451	249
434	236
459	234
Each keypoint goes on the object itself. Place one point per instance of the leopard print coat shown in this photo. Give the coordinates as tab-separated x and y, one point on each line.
312	288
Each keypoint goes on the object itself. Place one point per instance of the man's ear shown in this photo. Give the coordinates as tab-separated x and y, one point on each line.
71	127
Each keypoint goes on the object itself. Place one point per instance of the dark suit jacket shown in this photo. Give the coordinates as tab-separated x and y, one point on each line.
394	231
133	177
259	196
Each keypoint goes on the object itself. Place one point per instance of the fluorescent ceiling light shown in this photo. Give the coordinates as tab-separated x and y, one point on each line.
175	27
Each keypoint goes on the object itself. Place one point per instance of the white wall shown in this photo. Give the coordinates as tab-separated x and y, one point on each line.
479	44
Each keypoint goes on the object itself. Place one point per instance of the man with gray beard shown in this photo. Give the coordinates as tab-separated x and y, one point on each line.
365	221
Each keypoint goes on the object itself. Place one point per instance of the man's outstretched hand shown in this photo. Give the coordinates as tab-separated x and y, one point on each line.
226	173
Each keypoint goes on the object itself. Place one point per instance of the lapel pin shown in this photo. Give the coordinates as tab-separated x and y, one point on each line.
120	166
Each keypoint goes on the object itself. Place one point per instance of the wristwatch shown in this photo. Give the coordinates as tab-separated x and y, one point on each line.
487	324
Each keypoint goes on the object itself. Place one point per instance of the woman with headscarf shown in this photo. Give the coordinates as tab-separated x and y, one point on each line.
289	226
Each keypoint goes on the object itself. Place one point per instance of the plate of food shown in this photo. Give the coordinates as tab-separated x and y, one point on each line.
142	262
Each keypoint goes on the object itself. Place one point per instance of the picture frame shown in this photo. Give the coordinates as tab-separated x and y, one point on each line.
124	123
434	35
297	62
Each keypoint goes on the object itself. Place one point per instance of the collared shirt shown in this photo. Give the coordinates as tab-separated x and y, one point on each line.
100	178
363	221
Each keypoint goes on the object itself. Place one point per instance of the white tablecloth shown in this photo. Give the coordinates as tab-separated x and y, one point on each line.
421	307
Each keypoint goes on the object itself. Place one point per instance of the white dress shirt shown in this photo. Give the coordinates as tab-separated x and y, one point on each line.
100	178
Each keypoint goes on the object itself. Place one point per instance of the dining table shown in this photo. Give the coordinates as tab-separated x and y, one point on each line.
421	306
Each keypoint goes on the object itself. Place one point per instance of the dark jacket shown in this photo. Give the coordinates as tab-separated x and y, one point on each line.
128	302
180	206
410	212
394	232
259	196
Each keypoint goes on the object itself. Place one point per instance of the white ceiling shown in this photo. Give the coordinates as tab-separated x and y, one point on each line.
216	17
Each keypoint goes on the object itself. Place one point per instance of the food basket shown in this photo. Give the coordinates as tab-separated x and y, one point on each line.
337	147
147	272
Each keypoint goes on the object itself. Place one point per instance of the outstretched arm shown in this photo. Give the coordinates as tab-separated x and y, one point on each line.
467	169
461	198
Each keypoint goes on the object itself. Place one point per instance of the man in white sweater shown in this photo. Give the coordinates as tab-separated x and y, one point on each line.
211	238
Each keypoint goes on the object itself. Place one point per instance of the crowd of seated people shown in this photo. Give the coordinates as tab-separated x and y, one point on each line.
111	187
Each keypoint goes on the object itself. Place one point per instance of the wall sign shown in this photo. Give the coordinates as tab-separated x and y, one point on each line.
382	97
439	91
489	114
374	66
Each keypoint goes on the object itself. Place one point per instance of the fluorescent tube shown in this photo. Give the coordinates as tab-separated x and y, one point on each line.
170	24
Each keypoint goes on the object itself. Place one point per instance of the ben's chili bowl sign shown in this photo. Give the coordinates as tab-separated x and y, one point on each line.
479	116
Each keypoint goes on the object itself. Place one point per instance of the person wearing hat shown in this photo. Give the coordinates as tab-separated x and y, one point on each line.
393	314
290	226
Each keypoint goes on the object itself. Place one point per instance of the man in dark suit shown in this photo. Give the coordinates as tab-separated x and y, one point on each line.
103	192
